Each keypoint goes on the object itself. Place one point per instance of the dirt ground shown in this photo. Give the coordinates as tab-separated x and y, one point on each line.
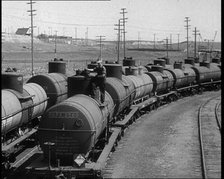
161	144
18	55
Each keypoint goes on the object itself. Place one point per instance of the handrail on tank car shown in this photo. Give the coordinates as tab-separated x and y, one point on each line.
13	114
63	130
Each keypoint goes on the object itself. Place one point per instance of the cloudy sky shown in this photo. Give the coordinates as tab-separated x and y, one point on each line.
145	18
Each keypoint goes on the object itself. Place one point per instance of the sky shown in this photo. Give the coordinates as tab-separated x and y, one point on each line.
146	19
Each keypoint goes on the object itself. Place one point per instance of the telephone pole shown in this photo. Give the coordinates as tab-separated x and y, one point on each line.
55	45
118	39
123	12
100	40
195	40
138	39
87	35
187	27
76	35
31	15
178	43
170	41
166	46
154	41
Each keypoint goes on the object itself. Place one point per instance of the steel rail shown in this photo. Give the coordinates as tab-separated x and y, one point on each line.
204	171
217	117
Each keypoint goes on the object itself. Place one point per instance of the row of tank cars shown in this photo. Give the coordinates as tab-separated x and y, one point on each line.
75	127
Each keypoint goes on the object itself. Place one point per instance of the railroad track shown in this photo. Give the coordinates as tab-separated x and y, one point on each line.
210	138
218	114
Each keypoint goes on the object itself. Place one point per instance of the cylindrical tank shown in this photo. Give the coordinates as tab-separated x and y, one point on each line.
20	108
189	61
39	98
215	72
205	64
12	80
130	87
147	84
74	126
128	62
160	62
131	71
116	88
157	68
138	84
10	105
196	60
57	67
190	75
167	60
178	65
159	81
78	85
114	70
148	67
204	74
216	60
170	79
142	70
179	77
54	84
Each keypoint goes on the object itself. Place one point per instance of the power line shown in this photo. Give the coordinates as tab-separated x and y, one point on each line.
59	23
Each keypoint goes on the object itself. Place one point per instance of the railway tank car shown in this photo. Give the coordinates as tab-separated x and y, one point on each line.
21	103
207	72
162	79
182	76
74	126
54	83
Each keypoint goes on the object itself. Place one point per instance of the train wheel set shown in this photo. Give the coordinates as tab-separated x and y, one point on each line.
76	134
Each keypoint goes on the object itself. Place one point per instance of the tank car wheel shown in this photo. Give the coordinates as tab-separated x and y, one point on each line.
153	107
158	103
168	99
122	133
200	91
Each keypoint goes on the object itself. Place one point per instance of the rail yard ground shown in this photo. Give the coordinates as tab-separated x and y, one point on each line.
164	144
